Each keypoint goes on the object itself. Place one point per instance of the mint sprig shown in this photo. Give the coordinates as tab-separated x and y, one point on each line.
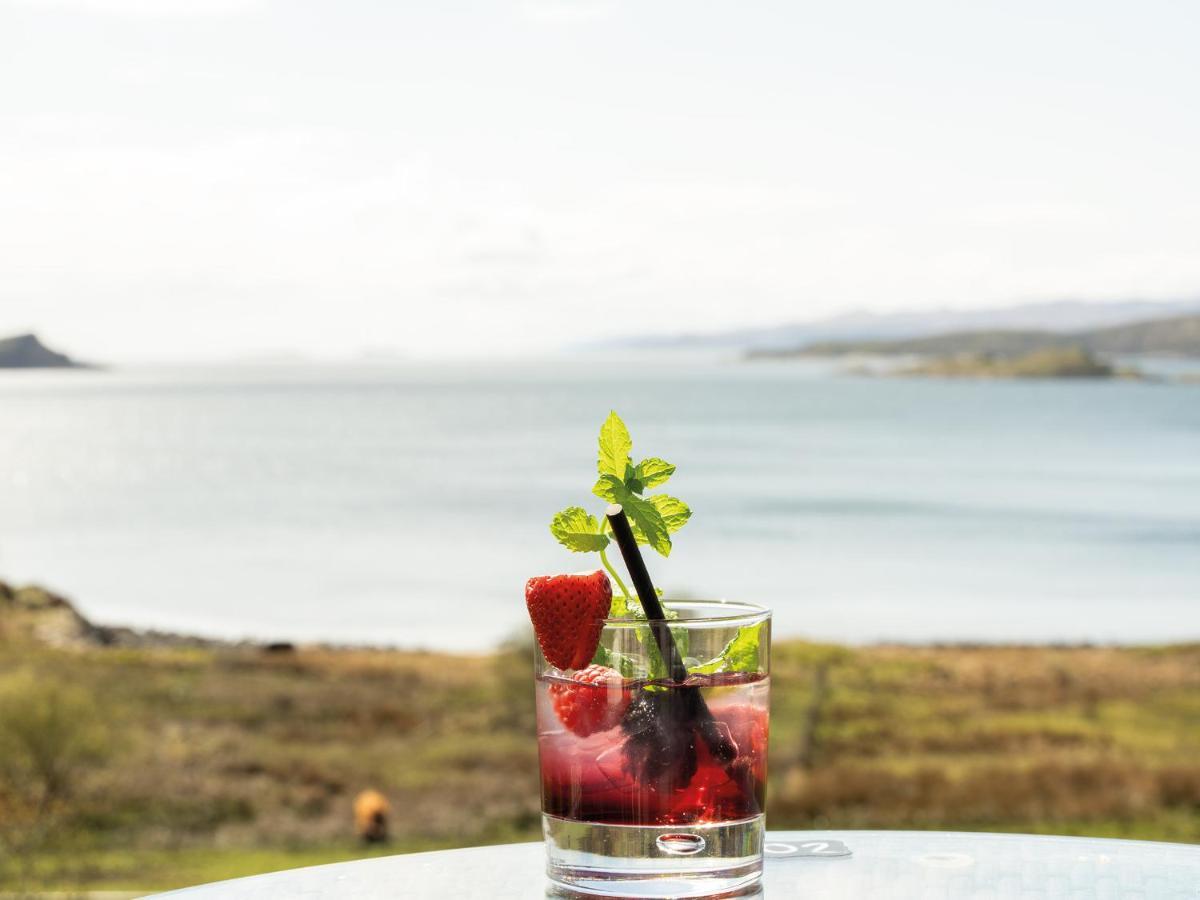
653	519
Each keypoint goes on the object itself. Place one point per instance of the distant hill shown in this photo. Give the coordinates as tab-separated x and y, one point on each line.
1176	336
1057	316
25	351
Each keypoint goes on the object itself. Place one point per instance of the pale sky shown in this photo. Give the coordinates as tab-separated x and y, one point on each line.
182	179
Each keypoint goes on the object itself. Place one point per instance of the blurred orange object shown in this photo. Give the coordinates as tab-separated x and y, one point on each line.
370	816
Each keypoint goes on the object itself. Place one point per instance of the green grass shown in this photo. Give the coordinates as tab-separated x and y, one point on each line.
200	765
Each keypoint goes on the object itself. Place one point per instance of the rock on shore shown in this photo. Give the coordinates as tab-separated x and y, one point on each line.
35	614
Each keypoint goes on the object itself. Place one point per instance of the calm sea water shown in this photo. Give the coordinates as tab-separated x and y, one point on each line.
408	505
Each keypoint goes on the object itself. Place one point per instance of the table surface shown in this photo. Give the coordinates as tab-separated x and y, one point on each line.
897	865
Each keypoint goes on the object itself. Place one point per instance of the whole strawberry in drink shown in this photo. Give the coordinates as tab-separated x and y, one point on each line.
568	612
652	715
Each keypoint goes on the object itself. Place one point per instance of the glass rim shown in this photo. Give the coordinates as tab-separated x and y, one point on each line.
738	611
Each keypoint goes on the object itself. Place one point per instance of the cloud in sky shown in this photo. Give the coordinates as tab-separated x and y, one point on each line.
468	181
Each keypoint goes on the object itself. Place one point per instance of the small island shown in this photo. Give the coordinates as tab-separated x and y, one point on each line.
1065	362
25	351
1009	353
1178	336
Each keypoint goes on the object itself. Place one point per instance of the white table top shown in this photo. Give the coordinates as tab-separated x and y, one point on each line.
890	865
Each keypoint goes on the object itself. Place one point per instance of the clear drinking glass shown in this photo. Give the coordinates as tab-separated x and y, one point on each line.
652	788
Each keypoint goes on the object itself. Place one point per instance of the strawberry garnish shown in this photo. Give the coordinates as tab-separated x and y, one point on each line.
593	699
568	613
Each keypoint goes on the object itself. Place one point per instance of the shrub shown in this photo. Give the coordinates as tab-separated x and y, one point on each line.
50	735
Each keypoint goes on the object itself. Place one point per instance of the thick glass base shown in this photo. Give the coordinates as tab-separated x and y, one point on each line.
722	859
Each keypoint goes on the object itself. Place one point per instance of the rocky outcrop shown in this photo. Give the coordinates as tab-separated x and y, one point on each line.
25	351
35	613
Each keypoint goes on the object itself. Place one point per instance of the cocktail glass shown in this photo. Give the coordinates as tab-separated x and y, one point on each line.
656	788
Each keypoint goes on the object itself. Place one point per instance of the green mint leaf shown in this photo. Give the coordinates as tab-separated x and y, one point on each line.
576	530
674	511
614	659
652	472
632	482
647	515
656	668
647	524
683	639
741	654
621	608
615	447
611	488
624	664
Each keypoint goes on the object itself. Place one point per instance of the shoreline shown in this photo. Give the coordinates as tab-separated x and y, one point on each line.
31	611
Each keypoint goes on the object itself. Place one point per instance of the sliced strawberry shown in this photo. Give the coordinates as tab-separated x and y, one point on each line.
568	613
593	700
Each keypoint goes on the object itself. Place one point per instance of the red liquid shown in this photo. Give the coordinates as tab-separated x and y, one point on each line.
669	775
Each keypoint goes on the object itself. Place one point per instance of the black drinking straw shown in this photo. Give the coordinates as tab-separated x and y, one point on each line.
719	744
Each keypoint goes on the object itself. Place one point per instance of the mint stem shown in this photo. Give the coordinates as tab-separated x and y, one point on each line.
613	572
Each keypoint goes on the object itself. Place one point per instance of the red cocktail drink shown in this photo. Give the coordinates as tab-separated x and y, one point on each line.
624	776
654	786
652	715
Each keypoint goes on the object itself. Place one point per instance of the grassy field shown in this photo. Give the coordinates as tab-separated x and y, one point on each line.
132	769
